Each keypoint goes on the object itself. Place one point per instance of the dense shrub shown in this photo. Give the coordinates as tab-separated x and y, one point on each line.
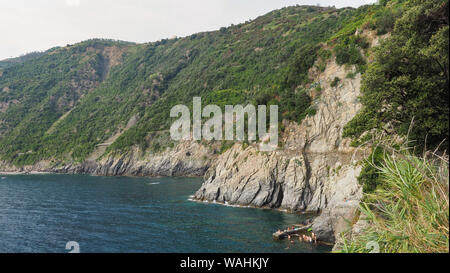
335	82
408	80
409	212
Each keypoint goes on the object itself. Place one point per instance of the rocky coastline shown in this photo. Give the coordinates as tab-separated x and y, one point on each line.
315	171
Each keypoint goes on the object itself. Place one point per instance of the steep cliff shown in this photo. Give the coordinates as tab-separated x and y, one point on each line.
186	159
316	169
119	126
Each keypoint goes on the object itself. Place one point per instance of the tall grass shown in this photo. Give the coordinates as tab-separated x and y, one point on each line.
409	212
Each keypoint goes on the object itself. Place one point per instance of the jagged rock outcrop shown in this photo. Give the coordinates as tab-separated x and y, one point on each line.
351	233
186	159
315	171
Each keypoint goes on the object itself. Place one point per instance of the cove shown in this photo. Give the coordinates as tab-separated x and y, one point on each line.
41	213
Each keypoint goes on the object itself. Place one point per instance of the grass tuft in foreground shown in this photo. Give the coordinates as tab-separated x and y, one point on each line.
409	211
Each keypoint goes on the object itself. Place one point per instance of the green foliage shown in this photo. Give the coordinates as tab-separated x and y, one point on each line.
39	91
311	111
348	50
302	60
294	104
323	55
409	212
384	22
225	146
24	58
350	75
370	176
225	97
409	78
335	82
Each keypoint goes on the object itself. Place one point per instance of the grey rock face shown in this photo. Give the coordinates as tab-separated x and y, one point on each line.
186	159
315	171
351	233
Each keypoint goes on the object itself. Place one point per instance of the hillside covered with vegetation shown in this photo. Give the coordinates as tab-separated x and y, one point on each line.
61	104
21	59
58	105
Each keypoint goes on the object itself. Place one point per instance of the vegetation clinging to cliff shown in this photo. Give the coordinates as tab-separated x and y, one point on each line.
265	60
409	78
405	92
409	211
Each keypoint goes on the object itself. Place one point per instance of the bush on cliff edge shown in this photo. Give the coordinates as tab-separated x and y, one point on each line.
409	211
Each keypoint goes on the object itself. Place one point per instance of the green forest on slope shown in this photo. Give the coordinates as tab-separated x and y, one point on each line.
21	59
60	104
405	90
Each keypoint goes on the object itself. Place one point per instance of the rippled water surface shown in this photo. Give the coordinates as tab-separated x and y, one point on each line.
41	213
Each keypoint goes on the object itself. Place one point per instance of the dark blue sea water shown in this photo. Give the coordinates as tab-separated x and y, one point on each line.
41	213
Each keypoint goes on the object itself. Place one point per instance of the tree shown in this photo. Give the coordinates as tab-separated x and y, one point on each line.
409	78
